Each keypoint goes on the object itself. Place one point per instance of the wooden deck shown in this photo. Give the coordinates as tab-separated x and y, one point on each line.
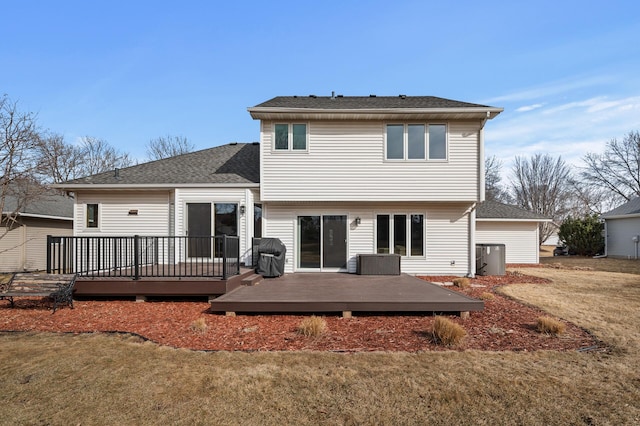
346	293
158	286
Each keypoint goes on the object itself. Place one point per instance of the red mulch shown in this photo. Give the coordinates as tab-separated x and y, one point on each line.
504	325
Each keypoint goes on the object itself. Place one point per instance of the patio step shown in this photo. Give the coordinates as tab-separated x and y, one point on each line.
252	279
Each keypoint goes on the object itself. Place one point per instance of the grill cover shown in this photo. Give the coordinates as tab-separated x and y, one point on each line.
271	255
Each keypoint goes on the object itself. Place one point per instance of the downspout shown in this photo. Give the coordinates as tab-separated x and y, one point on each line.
481	181
472	242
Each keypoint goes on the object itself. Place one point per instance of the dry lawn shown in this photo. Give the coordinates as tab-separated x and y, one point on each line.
113	379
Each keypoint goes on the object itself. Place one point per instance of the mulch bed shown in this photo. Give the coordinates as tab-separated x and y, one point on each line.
504	325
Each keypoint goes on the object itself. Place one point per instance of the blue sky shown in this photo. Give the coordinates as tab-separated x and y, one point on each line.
567	73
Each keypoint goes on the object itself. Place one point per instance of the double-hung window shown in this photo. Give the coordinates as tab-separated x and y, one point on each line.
400	233
416	142
290	137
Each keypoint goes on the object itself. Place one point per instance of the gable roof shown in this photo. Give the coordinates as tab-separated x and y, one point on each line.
630	208
231	164
346	107
493	210
51	205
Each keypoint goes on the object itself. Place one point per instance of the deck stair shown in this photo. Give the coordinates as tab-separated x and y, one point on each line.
253	279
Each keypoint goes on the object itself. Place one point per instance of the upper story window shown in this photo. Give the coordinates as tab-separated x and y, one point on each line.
290	137
92	215
414	141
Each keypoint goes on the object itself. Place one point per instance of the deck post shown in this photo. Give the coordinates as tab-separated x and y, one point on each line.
224	257
49	239
136	254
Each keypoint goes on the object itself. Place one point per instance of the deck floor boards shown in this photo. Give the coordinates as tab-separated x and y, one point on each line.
335	292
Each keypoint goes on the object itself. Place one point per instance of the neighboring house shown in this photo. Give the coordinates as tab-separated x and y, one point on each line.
622	230
516	228
23	244
332	177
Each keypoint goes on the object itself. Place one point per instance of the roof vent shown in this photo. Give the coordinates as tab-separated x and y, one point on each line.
372	96
116	172
233	143
255	143
333	94
312	96
295	96
340	96
403	96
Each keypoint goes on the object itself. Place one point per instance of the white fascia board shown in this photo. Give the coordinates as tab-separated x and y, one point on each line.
264	112
511	220
132	186
43	216
622	216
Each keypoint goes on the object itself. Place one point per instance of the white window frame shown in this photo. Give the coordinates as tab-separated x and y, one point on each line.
405	142
290	148
96	228
446	142
408	232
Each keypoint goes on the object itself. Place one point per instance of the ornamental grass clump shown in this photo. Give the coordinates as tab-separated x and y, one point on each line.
462	282
552	326
447	332
199	326
487	296
312	326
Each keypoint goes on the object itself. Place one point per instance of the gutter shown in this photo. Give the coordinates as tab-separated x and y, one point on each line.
133	186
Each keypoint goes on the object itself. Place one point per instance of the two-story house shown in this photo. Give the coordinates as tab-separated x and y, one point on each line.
332	177
341	176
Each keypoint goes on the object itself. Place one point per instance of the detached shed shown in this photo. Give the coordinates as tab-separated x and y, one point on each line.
622	230
23	245
516	228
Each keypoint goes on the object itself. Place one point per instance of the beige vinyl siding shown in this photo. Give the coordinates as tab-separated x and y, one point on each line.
345	162
446	228
24	248
12	249
520	239
36	239
113	213
619	237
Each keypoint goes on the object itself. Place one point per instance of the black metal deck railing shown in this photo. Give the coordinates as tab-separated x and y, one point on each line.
144	256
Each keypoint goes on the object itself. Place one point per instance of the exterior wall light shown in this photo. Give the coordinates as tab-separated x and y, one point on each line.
358	220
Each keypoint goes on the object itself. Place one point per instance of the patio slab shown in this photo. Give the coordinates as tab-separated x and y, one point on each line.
341	292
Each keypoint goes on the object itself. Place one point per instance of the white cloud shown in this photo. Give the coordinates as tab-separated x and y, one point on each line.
569	129
528	108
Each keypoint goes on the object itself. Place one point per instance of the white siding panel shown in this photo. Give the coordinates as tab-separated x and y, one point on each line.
619	237
447	247
345	162
113	213
520	239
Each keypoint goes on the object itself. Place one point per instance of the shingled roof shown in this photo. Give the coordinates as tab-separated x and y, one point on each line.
365	102
496	210
50	204
235	163
631	207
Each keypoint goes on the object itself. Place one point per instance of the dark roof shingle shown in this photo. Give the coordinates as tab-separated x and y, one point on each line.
47	204
365	102
233	163
630	207
495	210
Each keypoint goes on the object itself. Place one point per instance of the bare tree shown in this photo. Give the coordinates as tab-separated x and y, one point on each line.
617	169
494	191
541	184
97	156
18	138
168	146
58	160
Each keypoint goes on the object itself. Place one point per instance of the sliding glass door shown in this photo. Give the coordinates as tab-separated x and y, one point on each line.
322	242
